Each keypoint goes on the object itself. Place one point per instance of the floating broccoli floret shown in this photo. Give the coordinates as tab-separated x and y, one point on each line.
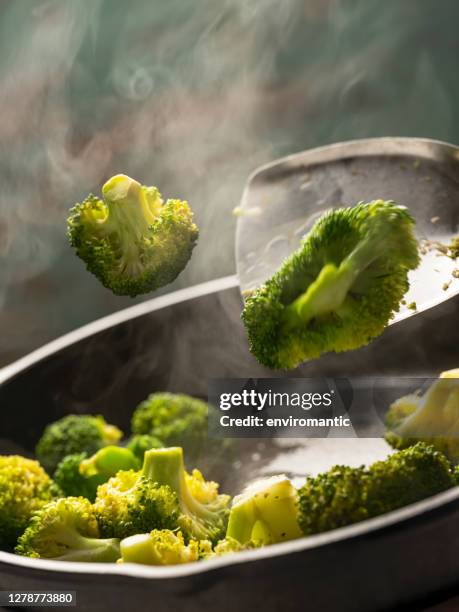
432	417
139	443
265	513
159	547
203	511
66	529
338	290
24	488
345	495
133	502
130	240
74	433
80	475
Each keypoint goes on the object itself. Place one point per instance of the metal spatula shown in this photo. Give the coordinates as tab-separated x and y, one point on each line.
282	200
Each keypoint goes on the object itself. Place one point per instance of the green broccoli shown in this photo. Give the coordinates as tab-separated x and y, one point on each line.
79	475
265	513
130	240
338	290
66	529
139	443
24	488
345	495
174	420
132	502
159	547
74	433
223	547
203	511
432	417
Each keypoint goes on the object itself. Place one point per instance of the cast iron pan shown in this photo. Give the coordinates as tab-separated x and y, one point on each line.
177	342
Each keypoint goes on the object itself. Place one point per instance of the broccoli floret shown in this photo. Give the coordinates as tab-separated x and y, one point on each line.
203	511
345	495
338	290
130	240
132	502
24	488
169	419
222	547
160	547
79	475
67	529
265	513
74	433
432	417
174	419
139	443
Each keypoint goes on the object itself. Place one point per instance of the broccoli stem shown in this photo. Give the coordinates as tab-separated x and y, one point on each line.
329	292
132	210
165	466
86	549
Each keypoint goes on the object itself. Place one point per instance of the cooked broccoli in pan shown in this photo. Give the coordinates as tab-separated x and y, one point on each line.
159	547
265	513
138	444
172	420
203	511
338	290
79	475
432	417
134	502
67	529
130	239
24	488
74	433
345	495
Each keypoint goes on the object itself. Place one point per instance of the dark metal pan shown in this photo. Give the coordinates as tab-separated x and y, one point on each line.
177	342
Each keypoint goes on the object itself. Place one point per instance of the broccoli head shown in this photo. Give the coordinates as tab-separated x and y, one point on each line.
139	443
203	511
130	240
79	475
159	547
24	488
338	290
66	529
432	417
74	433
132	502
265	513
345	495
222	547
174	419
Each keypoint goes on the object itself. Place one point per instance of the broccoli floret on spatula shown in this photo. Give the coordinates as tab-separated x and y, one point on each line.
338	290
130	239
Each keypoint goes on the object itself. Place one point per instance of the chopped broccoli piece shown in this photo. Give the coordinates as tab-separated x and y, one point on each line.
171	419
74	433
159	547
130	240
174	419
222	547
432	417
133	502
345	495
79	475
24	488
203	511
66	529
338	290
139	443
265	513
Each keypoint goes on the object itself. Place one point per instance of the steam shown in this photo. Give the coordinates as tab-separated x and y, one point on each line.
190	96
